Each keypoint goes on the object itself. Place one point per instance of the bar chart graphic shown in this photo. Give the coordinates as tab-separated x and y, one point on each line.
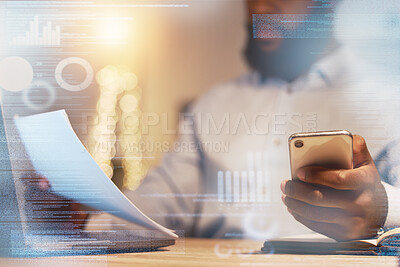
253	185
48	35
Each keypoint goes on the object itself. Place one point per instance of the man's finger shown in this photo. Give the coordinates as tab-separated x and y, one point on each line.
35	180
316	213
339	179
316	195
43	184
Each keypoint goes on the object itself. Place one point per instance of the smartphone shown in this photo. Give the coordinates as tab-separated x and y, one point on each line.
330	149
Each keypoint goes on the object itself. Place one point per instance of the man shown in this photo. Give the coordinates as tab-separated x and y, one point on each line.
296	84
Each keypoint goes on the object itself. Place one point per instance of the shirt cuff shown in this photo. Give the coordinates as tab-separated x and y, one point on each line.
393	215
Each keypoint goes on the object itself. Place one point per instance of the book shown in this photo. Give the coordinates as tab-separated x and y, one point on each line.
386	244
57	154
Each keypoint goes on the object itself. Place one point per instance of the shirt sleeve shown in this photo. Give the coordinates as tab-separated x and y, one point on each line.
393	215
388	164
167	194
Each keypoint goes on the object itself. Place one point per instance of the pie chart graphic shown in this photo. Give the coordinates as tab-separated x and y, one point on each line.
74	87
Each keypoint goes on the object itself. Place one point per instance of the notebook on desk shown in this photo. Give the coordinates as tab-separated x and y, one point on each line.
386	244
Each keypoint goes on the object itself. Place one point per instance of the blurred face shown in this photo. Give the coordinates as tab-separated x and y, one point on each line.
277	7
280	56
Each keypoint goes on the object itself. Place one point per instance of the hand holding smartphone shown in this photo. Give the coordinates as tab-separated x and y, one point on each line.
330	149
339	200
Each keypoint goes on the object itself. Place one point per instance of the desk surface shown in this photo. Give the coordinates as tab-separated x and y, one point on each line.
205	252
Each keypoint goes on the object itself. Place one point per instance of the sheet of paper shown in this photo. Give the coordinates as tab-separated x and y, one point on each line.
57	153
312	237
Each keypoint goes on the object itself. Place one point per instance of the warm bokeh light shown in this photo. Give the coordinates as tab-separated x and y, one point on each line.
130	80
118	122
107	76
128	103
114	30
107	169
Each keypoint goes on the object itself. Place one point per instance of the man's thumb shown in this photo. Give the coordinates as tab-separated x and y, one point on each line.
361	154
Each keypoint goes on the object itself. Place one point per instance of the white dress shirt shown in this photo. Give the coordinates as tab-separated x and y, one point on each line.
222	178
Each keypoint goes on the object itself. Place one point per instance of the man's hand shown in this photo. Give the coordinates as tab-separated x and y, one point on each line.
341	204
73	214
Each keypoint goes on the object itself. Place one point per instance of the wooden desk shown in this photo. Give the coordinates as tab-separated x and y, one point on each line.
205	252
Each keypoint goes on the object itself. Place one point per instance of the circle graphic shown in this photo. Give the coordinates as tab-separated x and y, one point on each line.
255	231
16	74
74	87
39	84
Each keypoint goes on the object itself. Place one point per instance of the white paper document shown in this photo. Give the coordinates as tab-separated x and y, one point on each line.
57	153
